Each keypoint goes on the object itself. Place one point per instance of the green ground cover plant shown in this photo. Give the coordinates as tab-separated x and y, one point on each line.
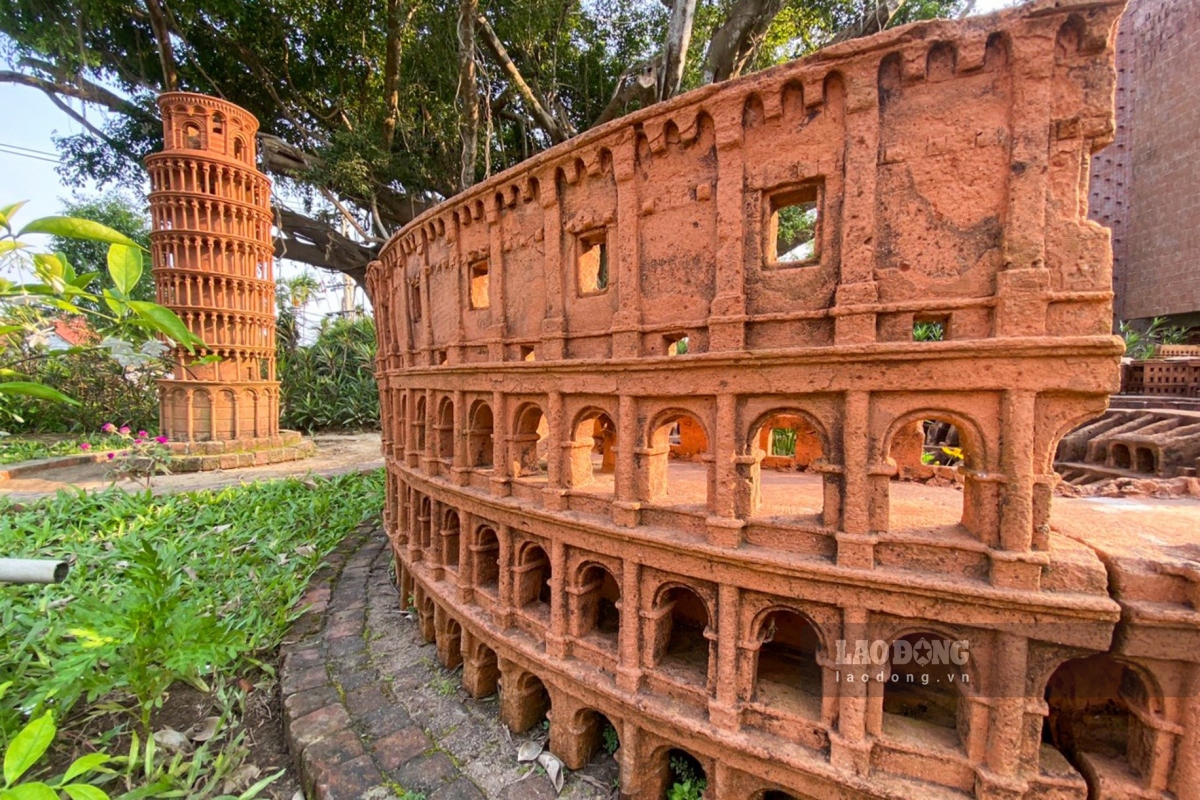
194	588
19	448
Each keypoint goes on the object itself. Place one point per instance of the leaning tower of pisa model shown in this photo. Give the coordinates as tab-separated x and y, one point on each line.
212	253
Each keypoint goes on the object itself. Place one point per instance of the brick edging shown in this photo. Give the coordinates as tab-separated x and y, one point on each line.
347	733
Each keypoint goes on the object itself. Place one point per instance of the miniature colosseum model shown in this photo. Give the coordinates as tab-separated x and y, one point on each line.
578	358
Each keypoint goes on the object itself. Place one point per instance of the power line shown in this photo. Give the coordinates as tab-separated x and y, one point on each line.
4	149
29	150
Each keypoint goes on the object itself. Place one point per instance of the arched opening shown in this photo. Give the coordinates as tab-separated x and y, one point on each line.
529	706
481	671
922	692
677	462
788	446
424	524
202	416
218	123
191	136
681	646
239	149
686	778
418	424
599	613
591	460
479	437
1121	457
596	745
445	431
450	539
933	458
775	794
1098	709
789	678
485	554
532	580
528	443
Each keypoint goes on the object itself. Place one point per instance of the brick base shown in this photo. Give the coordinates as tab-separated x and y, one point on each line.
239	453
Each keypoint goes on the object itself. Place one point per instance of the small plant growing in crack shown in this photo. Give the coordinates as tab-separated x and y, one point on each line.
445	685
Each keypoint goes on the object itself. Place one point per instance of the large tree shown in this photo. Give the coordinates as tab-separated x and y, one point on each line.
372	110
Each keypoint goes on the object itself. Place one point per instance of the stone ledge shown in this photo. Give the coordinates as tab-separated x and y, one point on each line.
238	459
22	469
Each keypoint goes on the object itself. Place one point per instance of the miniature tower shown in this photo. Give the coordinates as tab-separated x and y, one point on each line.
212	252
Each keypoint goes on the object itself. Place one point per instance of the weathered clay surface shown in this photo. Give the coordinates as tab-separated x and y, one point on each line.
551	337
211	246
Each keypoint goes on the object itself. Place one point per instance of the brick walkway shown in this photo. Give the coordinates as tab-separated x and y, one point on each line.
370	713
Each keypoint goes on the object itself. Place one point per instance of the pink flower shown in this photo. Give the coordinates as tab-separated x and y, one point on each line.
123	430
137	441
85	446
111	456
142	434
160	439
108	427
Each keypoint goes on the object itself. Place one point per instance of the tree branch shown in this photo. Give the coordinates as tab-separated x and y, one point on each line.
734	43
467	93
541	114
639	82
319	244
162	35
80	89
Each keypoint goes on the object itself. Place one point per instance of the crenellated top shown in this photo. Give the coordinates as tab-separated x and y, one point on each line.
932	173
215	127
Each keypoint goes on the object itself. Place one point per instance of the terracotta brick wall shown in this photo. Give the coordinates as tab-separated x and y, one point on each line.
1146	186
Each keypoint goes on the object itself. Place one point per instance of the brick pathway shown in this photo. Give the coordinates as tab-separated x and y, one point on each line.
370	713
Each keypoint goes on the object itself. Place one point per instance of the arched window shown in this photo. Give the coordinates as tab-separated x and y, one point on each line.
681	644
450	539
685	776
921	697
531	579
485	557
678	465
591	458
418	425
1099	713
445	432
598	614
788	678
239	149
218	124
786	484
479	437
191	136
528	443
934	460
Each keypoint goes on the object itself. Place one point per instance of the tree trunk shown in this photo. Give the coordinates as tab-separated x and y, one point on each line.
391	73
166	54
679	36
736	41
468	91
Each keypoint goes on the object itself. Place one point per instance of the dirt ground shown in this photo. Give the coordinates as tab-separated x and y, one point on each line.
335	455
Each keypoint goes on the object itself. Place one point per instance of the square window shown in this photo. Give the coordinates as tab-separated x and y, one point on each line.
794	228
930	329
676	344
479	285
592	263
528	354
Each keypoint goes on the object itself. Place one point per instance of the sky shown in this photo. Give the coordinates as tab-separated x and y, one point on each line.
28	158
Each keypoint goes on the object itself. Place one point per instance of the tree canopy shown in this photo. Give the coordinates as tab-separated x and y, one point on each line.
371	110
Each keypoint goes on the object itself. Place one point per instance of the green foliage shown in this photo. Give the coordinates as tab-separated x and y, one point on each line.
27	310
783	441
118	212
612	742
186	587
103	389
26	749
688	784
330	385
15	448
1143	344
929	331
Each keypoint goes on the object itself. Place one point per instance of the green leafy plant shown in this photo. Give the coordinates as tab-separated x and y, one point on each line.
612	742
783	441
330	385
929	331
26	749
1143	344
688	784
55	290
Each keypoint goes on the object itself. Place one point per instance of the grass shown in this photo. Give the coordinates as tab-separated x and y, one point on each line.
193	587
16	448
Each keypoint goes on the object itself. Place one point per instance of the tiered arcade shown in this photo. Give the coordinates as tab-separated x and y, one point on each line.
578	358
212	251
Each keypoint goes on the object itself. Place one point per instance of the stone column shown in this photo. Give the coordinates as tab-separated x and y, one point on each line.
460	472
727	313
627	323
625	506
723	709
856	291
629	646
1017	567
553	345
850	748
504	608
501	484
554	495
724	527
556	637
499	327
855	545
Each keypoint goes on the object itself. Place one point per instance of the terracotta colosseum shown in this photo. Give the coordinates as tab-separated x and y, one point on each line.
586	363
